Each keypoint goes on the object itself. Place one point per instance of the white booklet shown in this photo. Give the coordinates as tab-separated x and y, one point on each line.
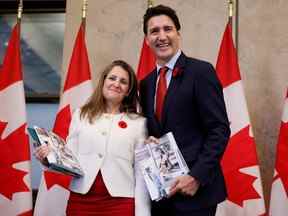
60	159
160	164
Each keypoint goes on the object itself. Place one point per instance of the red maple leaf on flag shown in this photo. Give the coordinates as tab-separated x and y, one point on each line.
14	149
281	164
240	153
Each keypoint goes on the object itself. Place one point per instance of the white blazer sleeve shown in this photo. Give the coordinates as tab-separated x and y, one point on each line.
72	138
142	198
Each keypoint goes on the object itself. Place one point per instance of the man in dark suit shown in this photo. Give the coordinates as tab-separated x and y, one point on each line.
184	96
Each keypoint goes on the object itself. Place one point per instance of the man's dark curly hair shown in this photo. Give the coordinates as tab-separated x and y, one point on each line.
157	11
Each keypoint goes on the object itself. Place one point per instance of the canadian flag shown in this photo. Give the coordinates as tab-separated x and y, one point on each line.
15	163
239	163
146	61
279	191
53	192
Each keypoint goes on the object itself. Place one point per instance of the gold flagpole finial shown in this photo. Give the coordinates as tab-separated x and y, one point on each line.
20	9
84	8
230	8
150	3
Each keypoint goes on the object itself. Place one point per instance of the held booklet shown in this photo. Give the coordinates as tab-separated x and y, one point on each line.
60	159
160	164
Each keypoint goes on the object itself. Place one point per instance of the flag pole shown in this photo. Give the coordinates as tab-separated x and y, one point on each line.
19	16
230	10
233	9
84	12
150	3
20	9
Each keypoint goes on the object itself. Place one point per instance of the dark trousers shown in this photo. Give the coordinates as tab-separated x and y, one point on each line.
168	209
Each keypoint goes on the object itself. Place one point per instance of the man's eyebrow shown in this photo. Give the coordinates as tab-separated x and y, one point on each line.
154	28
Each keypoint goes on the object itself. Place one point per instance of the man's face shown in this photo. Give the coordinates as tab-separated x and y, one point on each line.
163	38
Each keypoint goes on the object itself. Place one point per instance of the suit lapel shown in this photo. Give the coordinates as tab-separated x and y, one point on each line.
173	86
151	89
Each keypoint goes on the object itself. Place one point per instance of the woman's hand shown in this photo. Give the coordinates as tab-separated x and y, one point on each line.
151	139
42	152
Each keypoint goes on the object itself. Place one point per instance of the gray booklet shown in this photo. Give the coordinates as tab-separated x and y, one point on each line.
60	159
160	164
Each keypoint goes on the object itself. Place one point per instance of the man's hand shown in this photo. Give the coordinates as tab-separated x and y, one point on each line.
186	185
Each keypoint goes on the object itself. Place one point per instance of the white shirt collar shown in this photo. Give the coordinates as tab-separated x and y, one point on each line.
171	63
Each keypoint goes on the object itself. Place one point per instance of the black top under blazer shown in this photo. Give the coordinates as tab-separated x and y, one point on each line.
194	111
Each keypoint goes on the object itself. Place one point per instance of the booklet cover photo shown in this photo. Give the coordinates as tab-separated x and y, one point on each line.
60	159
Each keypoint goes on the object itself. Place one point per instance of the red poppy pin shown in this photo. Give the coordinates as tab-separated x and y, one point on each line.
177	72
122	124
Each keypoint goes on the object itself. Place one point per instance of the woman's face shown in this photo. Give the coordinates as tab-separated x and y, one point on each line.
116	85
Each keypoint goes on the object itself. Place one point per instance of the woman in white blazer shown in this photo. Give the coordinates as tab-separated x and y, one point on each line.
103	135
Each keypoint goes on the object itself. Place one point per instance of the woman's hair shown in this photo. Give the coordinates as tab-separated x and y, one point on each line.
96	104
